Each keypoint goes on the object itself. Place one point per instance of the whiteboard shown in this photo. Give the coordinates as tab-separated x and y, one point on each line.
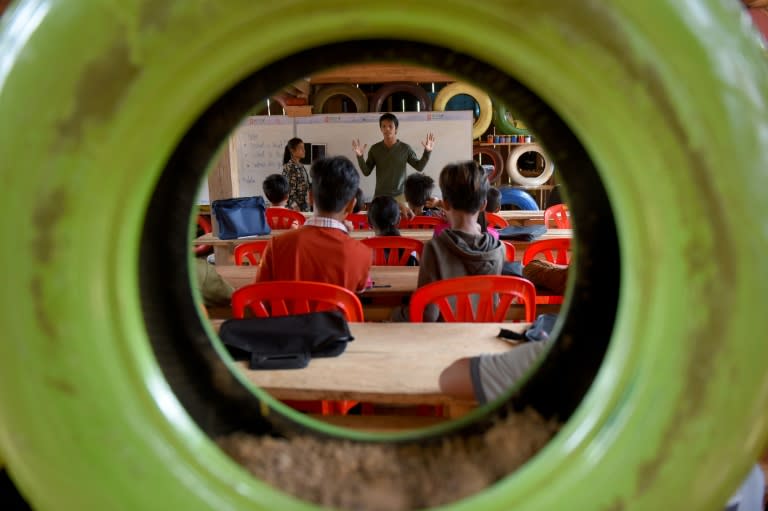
259	142
452	130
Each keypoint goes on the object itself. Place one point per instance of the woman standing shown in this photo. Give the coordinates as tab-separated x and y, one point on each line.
296	174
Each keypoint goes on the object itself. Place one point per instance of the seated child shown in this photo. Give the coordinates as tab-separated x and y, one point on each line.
359	201
277	190
418	194
359	206
383	217
321	250
463	249
213	288
485	377
493	204
481	221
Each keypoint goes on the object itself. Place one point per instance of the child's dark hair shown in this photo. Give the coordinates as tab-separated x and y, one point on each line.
384	215
494	200
291	145
360	201
418	188
334	183
464	186
276	188
389	117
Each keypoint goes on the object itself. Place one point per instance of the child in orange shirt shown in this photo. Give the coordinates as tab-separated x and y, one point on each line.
321	250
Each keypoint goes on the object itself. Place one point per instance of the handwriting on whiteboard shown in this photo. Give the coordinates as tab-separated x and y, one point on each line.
259	144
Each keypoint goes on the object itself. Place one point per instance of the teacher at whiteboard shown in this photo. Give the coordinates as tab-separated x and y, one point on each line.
296	174
390	156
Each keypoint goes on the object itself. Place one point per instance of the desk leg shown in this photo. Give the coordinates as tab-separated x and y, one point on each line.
223	255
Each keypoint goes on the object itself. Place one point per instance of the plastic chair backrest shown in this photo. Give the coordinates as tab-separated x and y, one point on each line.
495	221
393	250
558	214
557	250
493	296
424	222
283	218
359	221
251	252
510	252
204	223
286	297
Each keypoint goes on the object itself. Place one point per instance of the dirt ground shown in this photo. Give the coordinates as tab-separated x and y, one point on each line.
390	477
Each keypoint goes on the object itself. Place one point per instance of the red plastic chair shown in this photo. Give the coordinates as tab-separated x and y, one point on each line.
424	222
495	221
510	252
359	221
286	297
557	250
393	250
282	218
251	252
494	294
204	223
558	214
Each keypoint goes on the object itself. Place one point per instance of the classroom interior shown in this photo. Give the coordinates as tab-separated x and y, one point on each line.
413	89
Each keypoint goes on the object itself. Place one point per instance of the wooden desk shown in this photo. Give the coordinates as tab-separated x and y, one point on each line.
388	363
522	217
210	239
513	216
401	279
420	234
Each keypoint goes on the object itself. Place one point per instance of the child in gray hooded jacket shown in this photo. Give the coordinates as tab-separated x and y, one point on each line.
464	249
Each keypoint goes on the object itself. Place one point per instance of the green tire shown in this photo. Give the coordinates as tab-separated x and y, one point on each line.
501	119
676	413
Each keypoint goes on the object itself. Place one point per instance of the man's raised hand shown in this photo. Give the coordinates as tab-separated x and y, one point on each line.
358	147
429	143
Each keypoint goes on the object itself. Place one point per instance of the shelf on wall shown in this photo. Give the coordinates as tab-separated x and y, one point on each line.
486	144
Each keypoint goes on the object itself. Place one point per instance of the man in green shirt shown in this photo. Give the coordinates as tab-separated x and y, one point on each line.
390	156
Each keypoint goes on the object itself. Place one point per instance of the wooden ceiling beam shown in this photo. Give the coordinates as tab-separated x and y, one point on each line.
380	73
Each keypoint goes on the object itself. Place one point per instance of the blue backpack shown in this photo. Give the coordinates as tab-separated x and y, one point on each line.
240	216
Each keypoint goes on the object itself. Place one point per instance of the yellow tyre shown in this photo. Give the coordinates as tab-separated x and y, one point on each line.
486	107
357	96
110	390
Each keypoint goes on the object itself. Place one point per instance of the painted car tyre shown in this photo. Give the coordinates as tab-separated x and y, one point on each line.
518	198
501	120
357	96
496	158
684	335
445	94
385	91
513	171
